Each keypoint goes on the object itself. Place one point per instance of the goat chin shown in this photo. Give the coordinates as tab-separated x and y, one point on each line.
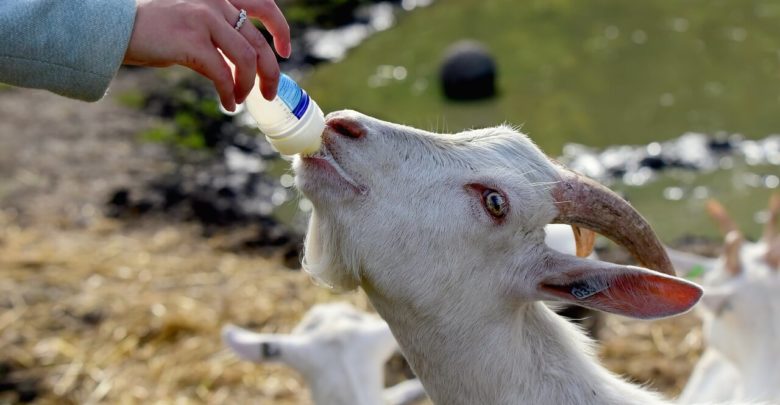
446	234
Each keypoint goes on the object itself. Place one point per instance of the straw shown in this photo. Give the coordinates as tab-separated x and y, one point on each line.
130	314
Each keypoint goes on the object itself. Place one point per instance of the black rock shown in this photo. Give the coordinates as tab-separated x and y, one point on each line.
172	196
226	192
93	317
143	206
722	145
292	257
617	172
27	390
120	198
468	72
654	162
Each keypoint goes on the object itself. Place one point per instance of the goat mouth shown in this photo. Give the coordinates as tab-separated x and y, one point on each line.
324	157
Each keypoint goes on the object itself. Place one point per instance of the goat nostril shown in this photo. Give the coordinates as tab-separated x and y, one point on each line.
346	127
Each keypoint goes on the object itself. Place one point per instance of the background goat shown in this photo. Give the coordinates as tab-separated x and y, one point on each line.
741	312
340	351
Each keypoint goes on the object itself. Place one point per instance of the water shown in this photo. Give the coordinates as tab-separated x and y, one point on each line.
692	152
332	44
670	182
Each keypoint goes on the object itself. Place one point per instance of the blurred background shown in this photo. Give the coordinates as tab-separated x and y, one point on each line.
131	229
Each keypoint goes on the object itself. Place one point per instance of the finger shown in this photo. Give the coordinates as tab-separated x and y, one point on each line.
207	61
267	68
273	20
269	73
240	52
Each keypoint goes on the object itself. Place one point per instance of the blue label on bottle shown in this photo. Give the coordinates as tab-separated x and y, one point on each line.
292	95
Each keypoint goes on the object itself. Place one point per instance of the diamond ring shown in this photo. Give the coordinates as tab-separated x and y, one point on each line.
241	19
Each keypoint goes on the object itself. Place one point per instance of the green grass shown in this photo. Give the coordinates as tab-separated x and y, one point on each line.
565	76
178	134
133	98
564	79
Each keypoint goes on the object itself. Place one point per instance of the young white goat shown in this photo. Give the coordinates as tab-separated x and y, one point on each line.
445	233
339	350
741	311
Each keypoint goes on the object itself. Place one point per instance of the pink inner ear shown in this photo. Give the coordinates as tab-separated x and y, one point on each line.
636	293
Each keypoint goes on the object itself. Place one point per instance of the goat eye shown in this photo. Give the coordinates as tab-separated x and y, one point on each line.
495	203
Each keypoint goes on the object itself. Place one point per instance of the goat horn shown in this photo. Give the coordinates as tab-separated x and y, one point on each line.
721	217
770	229
584	240
584	202
771	236
772	256
731	251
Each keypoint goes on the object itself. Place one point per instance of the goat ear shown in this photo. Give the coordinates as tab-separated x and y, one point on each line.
721	217
772	256
731	252
260	347
771	233
623	290
770	229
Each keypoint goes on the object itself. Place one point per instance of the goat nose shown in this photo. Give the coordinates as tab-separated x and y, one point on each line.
346	126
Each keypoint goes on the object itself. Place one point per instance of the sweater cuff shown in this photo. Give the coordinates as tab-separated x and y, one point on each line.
72	48
110	25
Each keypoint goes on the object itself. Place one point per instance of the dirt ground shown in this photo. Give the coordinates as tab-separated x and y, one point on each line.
94	310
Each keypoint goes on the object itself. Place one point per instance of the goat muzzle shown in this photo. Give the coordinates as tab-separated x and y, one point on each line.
586	203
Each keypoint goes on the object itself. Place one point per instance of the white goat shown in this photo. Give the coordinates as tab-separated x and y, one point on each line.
445	233
741	311
339	350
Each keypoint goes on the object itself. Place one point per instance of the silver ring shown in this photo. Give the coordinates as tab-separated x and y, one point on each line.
241	19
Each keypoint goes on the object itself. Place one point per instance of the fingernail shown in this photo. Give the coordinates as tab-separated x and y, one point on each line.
284	52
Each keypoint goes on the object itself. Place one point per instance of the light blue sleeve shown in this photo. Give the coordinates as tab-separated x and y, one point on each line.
70	47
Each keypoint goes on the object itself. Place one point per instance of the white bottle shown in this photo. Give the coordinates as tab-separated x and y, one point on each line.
292	122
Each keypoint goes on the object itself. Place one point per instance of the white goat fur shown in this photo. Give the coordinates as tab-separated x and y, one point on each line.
392	216
339	350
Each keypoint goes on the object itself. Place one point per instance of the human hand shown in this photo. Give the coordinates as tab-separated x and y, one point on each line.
188	33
